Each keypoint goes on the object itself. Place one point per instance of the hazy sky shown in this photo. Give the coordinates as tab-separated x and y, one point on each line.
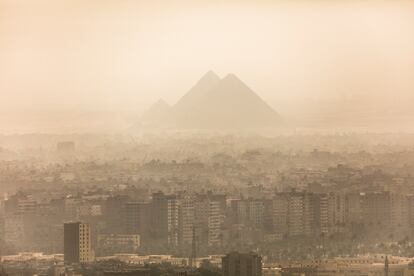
124	55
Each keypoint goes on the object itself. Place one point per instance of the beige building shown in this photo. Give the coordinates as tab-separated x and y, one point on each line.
77	243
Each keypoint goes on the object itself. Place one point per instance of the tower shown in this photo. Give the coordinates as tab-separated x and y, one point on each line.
193	257
77	242
165	218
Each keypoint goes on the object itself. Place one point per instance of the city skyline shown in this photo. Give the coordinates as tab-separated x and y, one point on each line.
206	138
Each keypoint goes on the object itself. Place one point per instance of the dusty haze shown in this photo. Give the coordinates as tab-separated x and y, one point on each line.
97	65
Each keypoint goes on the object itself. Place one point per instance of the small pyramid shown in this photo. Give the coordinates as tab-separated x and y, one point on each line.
157	112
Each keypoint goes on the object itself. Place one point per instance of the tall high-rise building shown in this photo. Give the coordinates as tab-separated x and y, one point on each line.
323	213
201	216
209	218
242	264
296	214
336	211
214	223
400	214
112	209
187	219
256	213
293	214
268	215
353	208
165	218
281	215
410	203
239	209
249	212
136	218
376	209
77	243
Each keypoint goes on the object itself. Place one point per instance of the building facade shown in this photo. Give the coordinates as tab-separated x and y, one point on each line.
77	243
242	264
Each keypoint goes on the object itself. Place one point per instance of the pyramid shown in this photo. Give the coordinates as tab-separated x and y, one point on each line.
214	103
157	113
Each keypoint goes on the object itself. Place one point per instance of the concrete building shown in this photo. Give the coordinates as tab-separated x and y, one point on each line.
400	214
214	223
336	212
248	212
187	219
135	217
112	210
353	208
77	243
165	218
376	209
281	214
209	218
242	264
410	204
293	214
323	214
239	209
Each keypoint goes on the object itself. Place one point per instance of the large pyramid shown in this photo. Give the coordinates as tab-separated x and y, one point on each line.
214	103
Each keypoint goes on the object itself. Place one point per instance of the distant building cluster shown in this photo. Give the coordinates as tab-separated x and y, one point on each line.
186	204
308	214
171	223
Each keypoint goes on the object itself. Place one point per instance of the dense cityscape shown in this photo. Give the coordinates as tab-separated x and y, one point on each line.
289	201
206	138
